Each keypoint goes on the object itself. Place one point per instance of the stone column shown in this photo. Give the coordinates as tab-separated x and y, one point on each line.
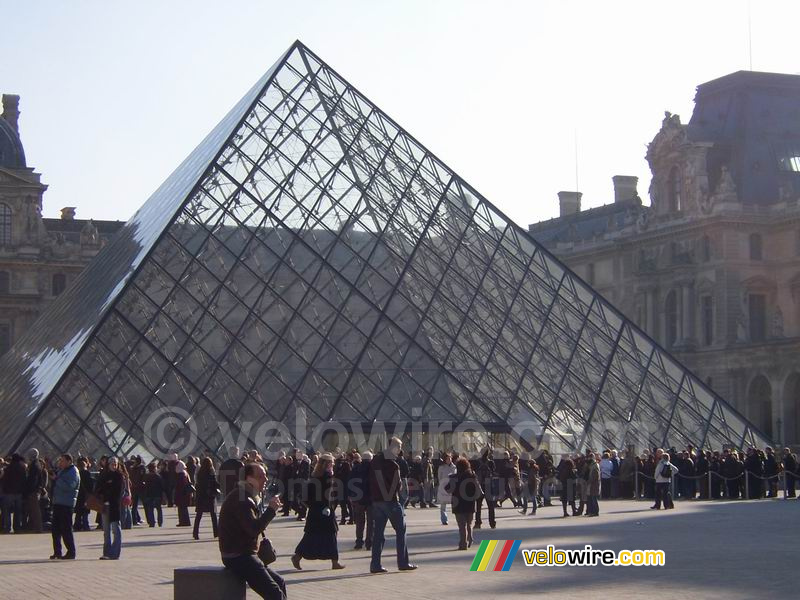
650	296
687	312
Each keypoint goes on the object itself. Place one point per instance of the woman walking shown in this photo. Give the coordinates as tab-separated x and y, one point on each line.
109	489
593	507
530	488
464	490
125	515
207	488
567	475
446	469
319	537
183	494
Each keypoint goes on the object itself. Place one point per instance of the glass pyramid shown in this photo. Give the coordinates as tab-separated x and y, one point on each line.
311	254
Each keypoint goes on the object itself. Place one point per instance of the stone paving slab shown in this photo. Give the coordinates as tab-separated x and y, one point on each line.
713	550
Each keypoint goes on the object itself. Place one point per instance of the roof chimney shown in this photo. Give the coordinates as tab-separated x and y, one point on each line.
11	110
624	187
68	213
569	203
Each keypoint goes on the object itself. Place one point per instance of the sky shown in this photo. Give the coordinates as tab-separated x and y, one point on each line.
522	99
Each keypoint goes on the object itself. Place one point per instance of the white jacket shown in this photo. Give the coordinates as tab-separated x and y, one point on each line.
444	477
661	464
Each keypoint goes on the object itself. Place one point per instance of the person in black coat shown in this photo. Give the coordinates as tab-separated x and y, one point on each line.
206	491
465	491
771	471
301	470
701	468
567	476
14	479
790	469
755	470
485	472
86	487
109	489
319	537
341	473
35	484
402	464
358	491
153	495
284	477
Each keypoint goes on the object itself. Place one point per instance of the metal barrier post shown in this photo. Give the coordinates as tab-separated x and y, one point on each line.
746	486
672	485
710	495
785	491
636	483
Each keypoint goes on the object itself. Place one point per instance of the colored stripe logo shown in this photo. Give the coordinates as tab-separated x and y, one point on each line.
495	555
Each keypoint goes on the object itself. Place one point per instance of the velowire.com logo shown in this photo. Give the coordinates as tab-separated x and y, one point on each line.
495	555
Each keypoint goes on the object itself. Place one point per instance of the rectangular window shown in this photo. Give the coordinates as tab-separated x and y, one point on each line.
756	244
5	225
5	338
590	273
707	318
757	308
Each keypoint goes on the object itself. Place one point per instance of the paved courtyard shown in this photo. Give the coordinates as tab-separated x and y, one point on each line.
713	550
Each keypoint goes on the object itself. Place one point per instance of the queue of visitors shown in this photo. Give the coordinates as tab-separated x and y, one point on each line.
369	490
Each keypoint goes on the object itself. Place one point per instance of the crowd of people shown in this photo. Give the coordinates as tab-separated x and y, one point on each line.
367	489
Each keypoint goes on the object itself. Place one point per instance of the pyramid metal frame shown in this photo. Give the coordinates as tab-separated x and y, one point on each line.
311	253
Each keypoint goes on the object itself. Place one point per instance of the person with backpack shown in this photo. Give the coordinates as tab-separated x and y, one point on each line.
664	473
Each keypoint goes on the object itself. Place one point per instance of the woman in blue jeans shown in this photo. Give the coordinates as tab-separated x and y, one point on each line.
109	488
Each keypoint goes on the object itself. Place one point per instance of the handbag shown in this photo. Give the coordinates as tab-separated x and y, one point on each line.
266	552
93	502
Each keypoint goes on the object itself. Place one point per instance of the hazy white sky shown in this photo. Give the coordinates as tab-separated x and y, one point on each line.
115	94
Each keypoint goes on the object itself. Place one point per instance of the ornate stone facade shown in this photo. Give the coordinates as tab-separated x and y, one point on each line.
711	269
39	257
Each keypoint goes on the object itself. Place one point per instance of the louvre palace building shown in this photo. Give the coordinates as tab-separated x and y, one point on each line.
711	269
312	261
39	257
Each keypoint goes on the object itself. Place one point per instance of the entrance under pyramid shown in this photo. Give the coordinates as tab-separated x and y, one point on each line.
311	261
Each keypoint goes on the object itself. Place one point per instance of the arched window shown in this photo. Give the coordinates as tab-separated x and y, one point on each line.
755	246
59	283
791	415
5	224
707	319
757	313
671	319
5	338
706	248
759	404
5	282
674	194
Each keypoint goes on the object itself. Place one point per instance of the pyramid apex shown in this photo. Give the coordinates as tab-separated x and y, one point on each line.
310	262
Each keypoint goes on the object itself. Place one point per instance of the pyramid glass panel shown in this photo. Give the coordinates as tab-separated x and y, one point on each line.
312	262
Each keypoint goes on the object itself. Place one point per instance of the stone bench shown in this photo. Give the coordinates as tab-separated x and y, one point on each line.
207	583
